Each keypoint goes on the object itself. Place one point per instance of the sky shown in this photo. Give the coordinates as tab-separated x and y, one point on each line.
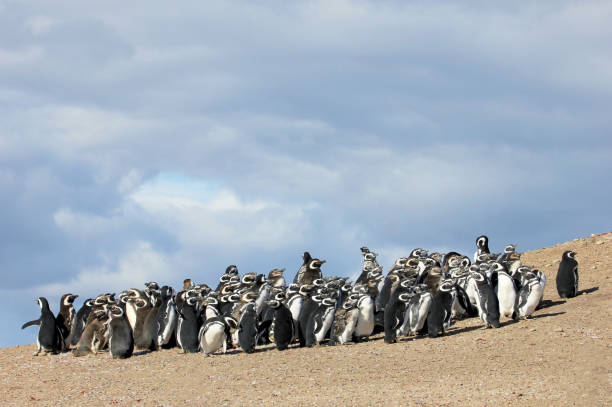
141	141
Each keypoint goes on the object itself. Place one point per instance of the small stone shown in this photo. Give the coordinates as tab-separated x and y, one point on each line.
558	329
599	242
532	330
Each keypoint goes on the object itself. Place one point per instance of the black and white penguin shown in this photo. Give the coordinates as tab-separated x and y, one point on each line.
394	314
439	315
309	271
49	339
141	312
120	339
369	263
345	321
283	328
365	318
482	247
247	328
529	297
164	326
80	319
506	295
187	328
487	303
417	309
212	335
66	319
567	275
306	322
323	318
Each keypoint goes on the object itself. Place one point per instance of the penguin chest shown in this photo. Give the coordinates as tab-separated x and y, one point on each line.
506	296
213	338
326	321
365	321
533	299
295	306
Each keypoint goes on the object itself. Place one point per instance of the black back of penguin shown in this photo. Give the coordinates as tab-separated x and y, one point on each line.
283	328
121	340
80	319
49	338
567	276
188	326
440	311
247	329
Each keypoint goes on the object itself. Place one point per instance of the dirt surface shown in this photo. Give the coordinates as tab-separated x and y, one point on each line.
561	357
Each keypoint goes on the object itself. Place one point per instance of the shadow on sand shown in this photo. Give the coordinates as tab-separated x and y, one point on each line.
587	291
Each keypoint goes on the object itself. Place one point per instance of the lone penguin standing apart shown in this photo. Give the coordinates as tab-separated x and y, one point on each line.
49	339
567	276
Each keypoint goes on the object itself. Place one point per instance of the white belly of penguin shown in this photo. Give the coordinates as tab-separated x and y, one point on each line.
170	326
130	312
532	300
328	318
365	320
506	296
472	292
295	306
419	314
213	339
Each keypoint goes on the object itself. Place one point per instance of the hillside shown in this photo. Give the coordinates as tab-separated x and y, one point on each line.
561	357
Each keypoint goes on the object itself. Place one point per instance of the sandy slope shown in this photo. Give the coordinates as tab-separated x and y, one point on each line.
562	357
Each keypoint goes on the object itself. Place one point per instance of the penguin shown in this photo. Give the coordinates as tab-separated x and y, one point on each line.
482	247
365	320
323	318
487	303
345	321
164	326
506	295
212	335
187	328
49	339
369	263
95	334
66	319
120	339
306	323
567	275
283	328
417	309
247	328
543	280
528	297
310	271
141	310
294	303
187	284
80	319
276	278
394	315
439	315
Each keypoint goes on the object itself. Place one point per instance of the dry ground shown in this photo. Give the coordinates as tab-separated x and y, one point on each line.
561	357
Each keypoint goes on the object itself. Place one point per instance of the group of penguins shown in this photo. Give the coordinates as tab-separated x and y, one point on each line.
420	295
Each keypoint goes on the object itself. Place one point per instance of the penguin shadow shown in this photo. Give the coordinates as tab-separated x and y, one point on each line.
587	290
550	303
141	353
550	314
452	332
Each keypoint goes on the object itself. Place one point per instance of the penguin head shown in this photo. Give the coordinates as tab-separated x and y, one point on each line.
509	249
152	285
446	286
465	262
405	297
115	312
401	262
306	257
370	256
42	303
248	279
329	302
569	255
68	299
187	284
315	264
232	270
273	304
482	242
364	250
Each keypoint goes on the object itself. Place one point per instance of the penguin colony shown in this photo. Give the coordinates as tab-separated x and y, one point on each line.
421	294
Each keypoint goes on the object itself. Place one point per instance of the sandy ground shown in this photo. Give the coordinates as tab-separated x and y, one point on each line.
561	357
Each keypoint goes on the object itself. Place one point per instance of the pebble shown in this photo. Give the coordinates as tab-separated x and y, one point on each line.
558	329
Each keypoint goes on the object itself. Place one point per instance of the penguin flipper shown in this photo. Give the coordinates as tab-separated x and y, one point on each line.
27	324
